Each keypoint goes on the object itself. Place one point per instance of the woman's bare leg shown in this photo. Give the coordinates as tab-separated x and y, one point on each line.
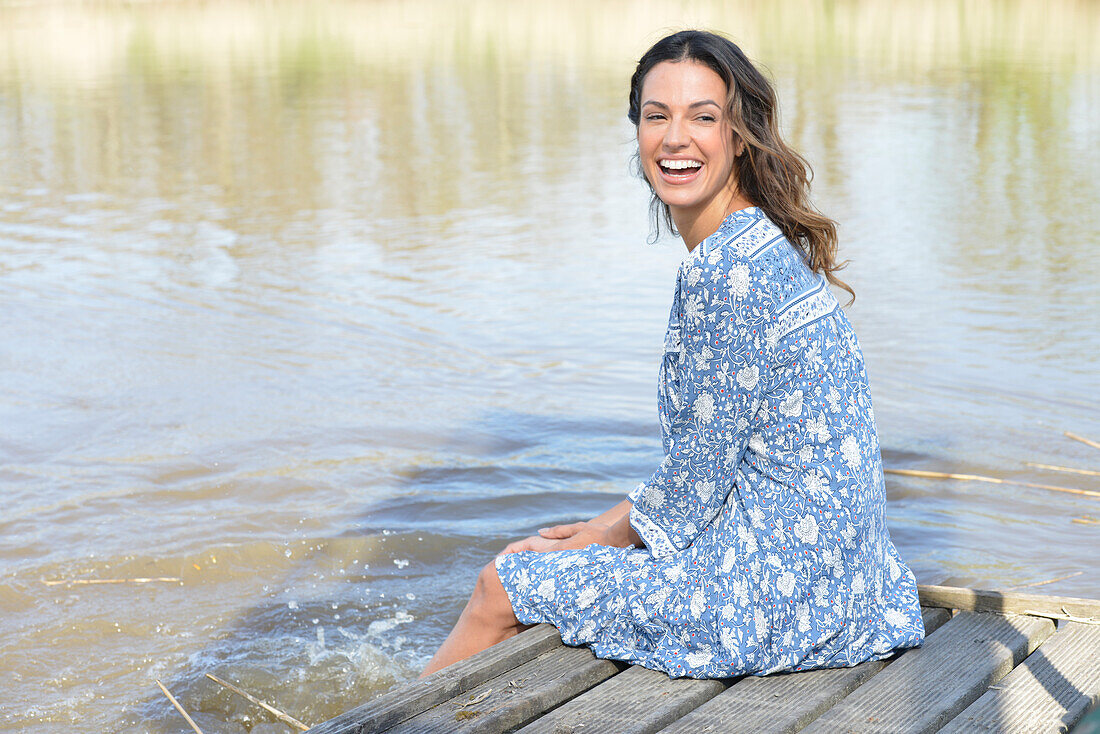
487	619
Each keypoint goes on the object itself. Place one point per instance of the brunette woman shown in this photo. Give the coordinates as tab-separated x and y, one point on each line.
759	544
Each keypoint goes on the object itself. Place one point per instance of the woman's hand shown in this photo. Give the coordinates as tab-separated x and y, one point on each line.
535	543
611	528
562	537
561	532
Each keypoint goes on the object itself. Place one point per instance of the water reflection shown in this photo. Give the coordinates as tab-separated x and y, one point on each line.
315	305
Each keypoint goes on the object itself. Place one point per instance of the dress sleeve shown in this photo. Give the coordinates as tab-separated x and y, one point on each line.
724	361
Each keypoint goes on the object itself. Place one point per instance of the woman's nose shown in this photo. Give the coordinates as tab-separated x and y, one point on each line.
676	135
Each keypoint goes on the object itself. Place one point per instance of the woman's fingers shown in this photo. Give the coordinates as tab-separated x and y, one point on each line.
541	545
511	548
561	537
519	545
560	532
534	543
550	539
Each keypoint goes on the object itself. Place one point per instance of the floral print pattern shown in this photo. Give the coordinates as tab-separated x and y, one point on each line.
766	547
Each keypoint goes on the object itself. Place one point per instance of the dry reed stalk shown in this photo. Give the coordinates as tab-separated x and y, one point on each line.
475	699
180	708
1065	615
1052	467
285	718
1082	439
989	480
165	579
1044	583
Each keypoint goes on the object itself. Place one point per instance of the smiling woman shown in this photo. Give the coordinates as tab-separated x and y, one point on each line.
687	147
697	99
759	544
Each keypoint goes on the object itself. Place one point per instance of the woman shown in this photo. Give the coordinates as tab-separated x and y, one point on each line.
760	543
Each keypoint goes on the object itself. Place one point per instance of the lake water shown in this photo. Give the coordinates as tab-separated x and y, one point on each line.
315	306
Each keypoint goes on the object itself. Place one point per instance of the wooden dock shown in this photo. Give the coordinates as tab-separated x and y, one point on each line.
992	662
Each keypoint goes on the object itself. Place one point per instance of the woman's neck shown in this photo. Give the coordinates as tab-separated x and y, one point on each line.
696	225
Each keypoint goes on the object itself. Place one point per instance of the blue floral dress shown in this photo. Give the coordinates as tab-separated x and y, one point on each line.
766	546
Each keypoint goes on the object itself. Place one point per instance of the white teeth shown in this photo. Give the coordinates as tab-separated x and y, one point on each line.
677	165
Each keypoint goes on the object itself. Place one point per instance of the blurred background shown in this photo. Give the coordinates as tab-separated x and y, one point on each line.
309	308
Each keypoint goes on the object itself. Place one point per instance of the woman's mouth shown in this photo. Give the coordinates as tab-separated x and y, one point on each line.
679	168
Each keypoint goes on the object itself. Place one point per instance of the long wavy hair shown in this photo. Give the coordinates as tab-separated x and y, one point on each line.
770	174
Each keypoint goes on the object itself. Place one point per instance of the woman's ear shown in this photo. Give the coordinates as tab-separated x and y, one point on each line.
739	147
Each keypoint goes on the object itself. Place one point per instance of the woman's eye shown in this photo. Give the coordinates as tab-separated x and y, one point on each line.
707	118
654	116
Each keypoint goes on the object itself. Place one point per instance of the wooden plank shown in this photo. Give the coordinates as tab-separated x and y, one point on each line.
516	697
637	701
1048	692
786	702
416	696
925	688
1006	602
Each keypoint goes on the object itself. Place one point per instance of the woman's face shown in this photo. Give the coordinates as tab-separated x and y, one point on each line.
684	139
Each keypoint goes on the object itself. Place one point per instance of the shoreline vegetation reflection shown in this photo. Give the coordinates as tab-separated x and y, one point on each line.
86	41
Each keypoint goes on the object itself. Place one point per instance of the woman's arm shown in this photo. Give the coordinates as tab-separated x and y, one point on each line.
608	517
616	513
621	533
725	314
614	524
608	528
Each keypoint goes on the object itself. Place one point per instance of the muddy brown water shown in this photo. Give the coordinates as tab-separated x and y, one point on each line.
314	306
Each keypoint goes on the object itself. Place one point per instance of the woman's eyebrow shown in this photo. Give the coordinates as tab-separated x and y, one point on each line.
662	105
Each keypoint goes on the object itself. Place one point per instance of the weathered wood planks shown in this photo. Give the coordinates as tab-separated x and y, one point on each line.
926	687
1006	602
775	704
977	672
785	703
637	701
410	699
1048	692
512	699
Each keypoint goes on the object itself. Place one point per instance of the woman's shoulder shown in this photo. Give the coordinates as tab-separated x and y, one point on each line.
743	235
749	260
748	251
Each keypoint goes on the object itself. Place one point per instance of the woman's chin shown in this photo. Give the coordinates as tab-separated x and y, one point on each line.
678	198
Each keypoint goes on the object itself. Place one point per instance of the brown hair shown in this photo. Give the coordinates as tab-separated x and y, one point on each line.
770	174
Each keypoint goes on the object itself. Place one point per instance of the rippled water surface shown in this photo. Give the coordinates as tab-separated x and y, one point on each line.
315	306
